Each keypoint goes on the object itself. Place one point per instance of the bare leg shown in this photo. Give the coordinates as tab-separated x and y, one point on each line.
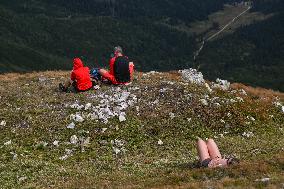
202	150
102	72
213	149
105	74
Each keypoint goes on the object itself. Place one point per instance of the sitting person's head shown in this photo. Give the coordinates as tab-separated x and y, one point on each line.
77	63
117	50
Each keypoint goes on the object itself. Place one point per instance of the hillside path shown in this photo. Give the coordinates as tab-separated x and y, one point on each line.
196	54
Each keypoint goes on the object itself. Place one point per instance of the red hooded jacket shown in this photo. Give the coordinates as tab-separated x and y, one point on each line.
81	75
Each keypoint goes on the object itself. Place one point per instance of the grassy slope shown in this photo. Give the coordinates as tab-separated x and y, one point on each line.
36	112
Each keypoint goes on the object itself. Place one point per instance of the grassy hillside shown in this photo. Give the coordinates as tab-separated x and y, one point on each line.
154	147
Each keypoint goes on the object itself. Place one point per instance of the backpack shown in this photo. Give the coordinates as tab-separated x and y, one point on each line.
121	69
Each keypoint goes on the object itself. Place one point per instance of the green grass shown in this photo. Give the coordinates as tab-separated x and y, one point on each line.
43	117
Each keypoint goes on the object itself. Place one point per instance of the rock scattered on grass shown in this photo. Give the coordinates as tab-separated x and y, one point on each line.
8	143
77	117
248	134
122	117
68	153
3	123
172	115
222	84
192	76
71	126
74	139
56	143
204	102
279	105
15	156
160	142
22	179
118	146
263	180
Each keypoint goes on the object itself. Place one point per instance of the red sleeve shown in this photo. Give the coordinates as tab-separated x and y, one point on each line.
73	76
111	64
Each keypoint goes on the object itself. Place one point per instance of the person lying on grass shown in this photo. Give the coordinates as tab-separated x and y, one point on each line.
121	69
210	156
80	78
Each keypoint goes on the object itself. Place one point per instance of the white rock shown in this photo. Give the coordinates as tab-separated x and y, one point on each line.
204	102
21	179
192	76
88	106
240	99
68	153
217	104
15	156
251	118
248	134
222	84
263	180
104	130
3	123
160	142
122	117
71	125
78	118
8	143
243	92
73	139
172	115
96	87
116	150
155	102
208	88
63	157
56	143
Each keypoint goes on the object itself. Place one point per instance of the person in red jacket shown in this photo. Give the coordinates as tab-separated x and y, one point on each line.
80	77
121	69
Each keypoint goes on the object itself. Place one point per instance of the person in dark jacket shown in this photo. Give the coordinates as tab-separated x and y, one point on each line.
80	78
121	69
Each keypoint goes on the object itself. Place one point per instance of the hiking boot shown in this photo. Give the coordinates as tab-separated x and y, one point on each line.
62	88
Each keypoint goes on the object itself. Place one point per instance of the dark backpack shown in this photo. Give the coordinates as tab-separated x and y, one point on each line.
121	69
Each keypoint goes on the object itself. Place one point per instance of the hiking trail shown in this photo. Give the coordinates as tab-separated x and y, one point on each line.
196	54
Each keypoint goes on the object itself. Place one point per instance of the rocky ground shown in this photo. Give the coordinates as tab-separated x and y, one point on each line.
137	136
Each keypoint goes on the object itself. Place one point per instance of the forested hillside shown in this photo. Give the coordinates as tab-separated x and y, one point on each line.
47	34
254	54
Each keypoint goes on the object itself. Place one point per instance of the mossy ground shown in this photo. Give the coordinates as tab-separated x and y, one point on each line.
169	110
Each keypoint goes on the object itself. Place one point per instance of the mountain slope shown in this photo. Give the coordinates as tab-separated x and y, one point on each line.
150	142
253	54
86	28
